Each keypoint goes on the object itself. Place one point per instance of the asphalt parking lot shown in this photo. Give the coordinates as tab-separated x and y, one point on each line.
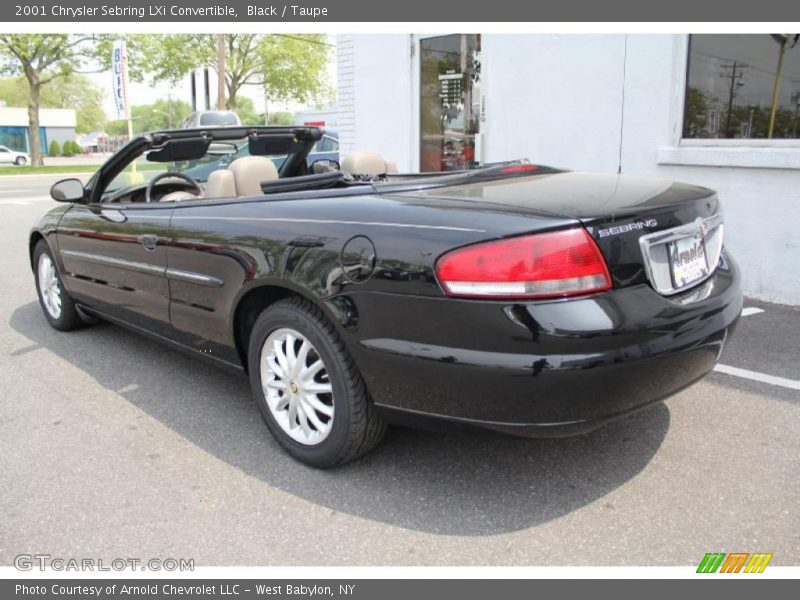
114	446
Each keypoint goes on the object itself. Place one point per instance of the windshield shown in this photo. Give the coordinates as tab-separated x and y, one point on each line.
220	155
219	119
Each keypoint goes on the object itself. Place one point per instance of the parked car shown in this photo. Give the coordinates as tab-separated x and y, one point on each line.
9	156
326	149
515	297
211	118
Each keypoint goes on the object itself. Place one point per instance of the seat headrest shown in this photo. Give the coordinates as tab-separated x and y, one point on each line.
250	171
221	184
364	163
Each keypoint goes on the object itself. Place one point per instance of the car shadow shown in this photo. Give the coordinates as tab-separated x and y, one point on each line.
455	483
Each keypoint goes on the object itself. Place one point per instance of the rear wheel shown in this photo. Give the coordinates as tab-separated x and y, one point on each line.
307	387
58	308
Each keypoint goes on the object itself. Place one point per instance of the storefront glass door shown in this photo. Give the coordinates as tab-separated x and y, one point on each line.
450	102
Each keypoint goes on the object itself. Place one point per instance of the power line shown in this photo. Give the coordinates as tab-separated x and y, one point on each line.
301	39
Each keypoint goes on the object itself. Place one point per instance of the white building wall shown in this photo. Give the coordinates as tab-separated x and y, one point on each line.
558	100
13	116
345	92
549	99
378	94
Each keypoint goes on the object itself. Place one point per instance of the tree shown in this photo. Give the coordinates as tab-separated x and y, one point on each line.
287	67
278	118
246	110
152	117
73	91
695	114
42	58
55	149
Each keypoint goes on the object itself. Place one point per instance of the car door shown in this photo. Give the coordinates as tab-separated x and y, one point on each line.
208	267
115	259
5	155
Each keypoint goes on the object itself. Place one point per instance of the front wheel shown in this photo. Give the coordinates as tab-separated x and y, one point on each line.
58	308
21	161
307	387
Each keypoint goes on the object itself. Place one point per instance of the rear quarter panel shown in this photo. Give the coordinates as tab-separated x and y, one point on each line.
297	243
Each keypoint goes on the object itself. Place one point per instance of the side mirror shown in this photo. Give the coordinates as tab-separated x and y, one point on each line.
68	190
324	166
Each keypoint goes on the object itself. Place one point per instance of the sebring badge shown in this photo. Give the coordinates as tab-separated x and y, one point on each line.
636	225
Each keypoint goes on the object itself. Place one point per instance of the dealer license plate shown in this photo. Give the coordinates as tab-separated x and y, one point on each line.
687	258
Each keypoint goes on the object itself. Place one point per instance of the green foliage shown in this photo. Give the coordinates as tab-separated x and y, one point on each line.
280	118
695	114
287	67
72	91
70	148
42	59
246	110
152	117
754	117
141	49
55	149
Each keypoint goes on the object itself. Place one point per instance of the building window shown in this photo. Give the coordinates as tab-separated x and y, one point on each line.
743	87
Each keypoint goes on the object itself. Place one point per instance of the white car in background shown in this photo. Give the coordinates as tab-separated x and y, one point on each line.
12	157
211	118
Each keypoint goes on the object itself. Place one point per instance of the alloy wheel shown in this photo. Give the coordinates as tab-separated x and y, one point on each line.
49	287
297	386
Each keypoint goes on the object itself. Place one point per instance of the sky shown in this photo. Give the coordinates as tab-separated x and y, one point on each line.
144	93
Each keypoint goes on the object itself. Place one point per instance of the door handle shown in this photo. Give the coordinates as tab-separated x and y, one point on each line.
149	241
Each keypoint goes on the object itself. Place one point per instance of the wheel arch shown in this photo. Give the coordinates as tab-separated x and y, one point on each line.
34	239
258	298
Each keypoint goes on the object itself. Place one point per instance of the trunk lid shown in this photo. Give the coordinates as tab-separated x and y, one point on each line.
648	229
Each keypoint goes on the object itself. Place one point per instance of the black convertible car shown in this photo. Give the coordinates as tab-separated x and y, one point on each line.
516	297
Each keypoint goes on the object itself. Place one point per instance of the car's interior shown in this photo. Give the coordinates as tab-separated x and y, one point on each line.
203	168
260	162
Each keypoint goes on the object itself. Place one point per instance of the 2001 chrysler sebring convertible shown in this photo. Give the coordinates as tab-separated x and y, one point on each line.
516	297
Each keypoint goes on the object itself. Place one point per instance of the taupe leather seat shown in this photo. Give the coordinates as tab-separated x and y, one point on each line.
221	184
367	163
248	173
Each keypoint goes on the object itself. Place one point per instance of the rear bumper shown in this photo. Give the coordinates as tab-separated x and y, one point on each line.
545	368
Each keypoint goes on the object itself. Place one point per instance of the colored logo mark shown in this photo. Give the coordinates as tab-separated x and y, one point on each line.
734	562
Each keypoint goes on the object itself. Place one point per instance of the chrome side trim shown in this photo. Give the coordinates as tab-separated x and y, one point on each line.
141	267
656	261
131	265
191	277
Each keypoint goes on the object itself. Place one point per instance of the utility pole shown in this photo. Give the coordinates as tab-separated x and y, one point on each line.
734	75
207	91
193	83
221	71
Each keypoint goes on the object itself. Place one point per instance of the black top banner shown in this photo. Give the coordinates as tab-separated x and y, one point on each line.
444	11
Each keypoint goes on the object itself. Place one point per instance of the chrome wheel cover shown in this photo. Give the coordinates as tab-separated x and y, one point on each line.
49	288
297	387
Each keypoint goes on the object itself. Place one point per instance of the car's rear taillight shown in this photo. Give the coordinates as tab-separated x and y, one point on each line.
543	265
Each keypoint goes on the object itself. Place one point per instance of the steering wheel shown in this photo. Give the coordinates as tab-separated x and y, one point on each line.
148	193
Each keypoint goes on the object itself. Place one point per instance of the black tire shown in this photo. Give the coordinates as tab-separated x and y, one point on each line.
357	428
21	161
69	318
